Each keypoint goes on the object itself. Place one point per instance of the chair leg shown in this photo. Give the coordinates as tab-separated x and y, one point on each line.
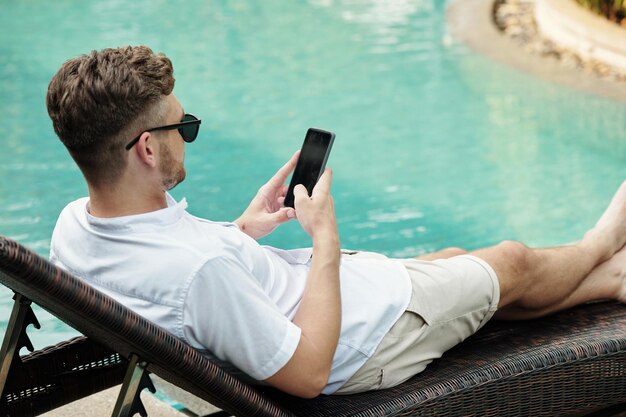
15	337
136	379
190	413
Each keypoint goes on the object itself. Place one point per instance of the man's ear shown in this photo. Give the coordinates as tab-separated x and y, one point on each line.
146	149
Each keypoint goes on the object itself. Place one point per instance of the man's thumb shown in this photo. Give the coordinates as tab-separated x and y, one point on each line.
300	191
285	214
291	213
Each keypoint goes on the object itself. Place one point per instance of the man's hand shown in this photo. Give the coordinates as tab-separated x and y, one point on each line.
316	213
319	315
266	212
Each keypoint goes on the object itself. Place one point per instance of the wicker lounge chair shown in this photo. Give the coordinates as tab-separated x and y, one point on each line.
570	363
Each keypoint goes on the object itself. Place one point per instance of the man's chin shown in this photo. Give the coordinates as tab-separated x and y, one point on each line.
170	184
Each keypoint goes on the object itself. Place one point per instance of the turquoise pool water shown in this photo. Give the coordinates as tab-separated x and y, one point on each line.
436	146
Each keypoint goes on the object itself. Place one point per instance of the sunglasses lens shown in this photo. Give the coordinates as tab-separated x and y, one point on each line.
190	131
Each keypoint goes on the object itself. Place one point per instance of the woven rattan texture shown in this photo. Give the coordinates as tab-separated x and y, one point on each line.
60	374
568	363
103	319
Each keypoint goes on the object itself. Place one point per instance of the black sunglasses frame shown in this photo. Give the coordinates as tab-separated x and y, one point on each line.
180	126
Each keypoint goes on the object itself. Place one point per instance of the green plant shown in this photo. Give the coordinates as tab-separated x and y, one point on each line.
612	9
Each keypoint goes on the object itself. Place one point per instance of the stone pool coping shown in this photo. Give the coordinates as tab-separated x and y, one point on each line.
567	23
471	22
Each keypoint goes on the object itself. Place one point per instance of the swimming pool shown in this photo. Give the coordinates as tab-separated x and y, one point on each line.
436	146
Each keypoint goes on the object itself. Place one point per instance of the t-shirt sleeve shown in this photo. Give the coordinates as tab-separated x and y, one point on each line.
227	312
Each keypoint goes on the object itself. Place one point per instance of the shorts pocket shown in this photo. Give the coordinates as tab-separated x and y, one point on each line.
408	323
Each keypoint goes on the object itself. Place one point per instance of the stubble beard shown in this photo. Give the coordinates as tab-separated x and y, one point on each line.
173	172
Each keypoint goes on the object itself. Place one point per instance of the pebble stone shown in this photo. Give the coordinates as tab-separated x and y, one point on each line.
516	19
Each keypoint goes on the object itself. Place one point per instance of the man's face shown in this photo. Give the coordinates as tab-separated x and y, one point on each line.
172	148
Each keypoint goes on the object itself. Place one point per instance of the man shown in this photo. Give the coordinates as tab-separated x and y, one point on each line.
306	321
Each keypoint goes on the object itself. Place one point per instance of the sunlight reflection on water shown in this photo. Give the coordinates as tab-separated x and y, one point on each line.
435	145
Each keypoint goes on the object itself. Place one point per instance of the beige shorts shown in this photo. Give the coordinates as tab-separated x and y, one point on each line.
452	298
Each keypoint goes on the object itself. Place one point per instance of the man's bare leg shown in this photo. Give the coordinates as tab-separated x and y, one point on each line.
535	282
604	282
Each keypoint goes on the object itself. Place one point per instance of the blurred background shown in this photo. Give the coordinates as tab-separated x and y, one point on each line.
435	145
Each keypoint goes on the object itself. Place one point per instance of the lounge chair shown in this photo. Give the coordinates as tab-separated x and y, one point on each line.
569	363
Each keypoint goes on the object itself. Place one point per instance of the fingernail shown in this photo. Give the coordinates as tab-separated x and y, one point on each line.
291	214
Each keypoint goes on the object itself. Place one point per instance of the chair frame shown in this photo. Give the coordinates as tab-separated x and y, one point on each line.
570	363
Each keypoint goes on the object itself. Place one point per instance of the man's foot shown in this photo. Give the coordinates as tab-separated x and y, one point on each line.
610	229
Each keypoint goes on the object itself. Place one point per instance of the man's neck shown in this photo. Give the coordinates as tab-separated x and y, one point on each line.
121	201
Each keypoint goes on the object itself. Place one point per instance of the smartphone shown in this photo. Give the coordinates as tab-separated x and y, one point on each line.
311	162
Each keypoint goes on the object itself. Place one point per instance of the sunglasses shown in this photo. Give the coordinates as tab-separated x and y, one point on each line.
188	129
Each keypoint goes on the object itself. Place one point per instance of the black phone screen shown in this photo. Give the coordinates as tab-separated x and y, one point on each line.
312	161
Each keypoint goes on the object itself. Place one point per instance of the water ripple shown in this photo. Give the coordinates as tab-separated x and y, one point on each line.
19	206
392	217
23	220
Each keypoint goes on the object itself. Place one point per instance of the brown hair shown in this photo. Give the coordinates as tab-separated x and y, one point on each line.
98	102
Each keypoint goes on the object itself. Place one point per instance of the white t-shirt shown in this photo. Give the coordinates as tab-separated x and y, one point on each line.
216	288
